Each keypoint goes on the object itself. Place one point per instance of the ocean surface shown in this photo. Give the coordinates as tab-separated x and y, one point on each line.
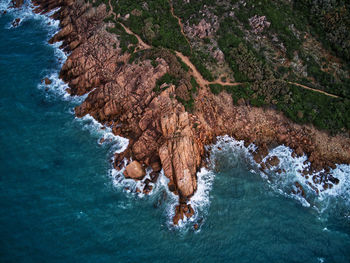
60	201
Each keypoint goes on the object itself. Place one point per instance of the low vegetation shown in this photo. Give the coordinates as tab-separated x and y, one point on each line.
287	51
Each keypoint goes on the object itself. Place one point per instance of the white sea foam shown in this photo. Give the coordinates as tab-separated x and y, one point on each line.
103	133
200	201
172	201
283	183
226	147
4	5
235	153
130	186
57	87
26	12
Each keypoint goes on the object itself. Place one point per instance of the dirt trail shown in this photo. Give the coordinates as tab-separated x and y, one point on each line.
111	11
180	24
142	45
194	72
316	90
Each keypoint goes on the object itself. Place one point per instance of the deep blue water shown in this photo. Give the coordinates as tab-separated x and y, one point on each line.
58	202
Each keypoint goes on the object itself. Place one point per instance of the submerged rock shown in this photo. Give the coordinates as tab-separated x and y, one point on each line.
298	189
47	81
15	23
182	211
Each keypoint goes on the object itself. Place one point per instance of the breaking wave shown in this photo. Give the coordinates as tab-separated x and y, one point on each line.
233	151
281	179
26	12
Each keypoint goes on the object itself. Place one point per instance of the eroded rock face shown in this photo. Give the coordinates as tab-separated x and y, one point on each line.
121	95
267	129
179	154
161	133
273	161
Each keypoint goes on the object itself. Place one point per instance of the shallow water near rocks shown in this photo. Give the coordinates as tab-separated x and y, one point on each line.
58	202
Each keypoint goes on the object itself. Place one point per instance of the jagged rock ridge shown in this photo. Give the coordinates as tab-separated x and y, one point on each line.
162	133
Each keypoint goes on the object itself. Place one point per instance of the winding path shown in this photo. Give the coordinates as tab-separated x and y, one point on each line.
180	23
316	90
199	78
194	72
142	45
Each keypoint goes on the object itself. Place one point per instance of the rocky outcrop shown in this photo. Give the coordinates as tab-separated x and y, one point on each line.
259	23
267	128
204	28
121	96
180	154
161	133
182	211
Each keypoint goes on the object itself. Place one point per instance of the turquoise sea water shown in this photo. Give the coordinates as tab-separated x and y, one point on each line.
59	202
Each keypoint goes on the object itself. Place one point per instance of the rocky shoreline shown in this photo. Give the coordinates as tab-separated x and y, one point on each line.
161	133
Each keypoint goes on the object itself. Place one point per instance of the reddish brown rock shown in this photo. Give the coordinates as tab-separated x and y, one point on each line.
154	176
47	81
161	133
260	154
180	154
147	189
258	23
134	171
171	186
156	166
15	23
298	189
273	161
181	211
299	151
241	102
16	3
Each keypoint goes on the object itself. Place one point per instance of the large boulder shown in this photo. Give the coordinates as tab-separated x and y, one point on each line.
134	171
